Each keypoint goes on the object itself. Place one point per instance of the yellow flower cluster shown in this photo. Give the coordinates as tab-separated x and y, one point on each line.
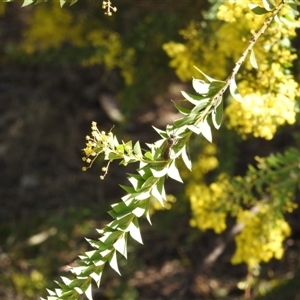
52	26
206	201
207	204
115	55
96	144
261	115
270	93
261	238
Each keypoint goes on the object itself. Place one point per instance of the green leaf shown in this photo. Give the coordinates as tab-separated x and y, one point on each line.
148	212
215	87
97	277
136	181
134	230
234	91
143	195
66	280
173	172
88	292
253	60
128	189
186	158
121	245
157	195
140	210
62	2
217	116
268	6
113	262
257	9
183	110
149	182
206	130
195	128
194	99
27	2
200	86
160	172
109	238
190	119
137	149
200	105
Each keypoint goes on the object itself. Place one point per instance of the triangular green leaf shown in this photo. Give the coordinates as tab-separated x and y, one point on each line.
143	195
183	110
206	130
217	116
88	292
155	193
97	277
113	262
134	230
234	91
65	280
27	2
173	172
268	6
137	149
186	158
253	60
257	9
62	2
200	86
194	99
160	172
121	244
195	128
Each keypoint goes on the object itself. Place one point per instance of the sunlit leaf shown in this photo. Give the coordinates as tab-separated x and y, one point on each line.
194	99
173	172
234	91
113	262
195	128
183	110
121	245
88	292
65	280
134	230
258	10
215	87
268	6
160	172
27	2
206	130
185	158
217	116
155	193
253	60
143	195
200	86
